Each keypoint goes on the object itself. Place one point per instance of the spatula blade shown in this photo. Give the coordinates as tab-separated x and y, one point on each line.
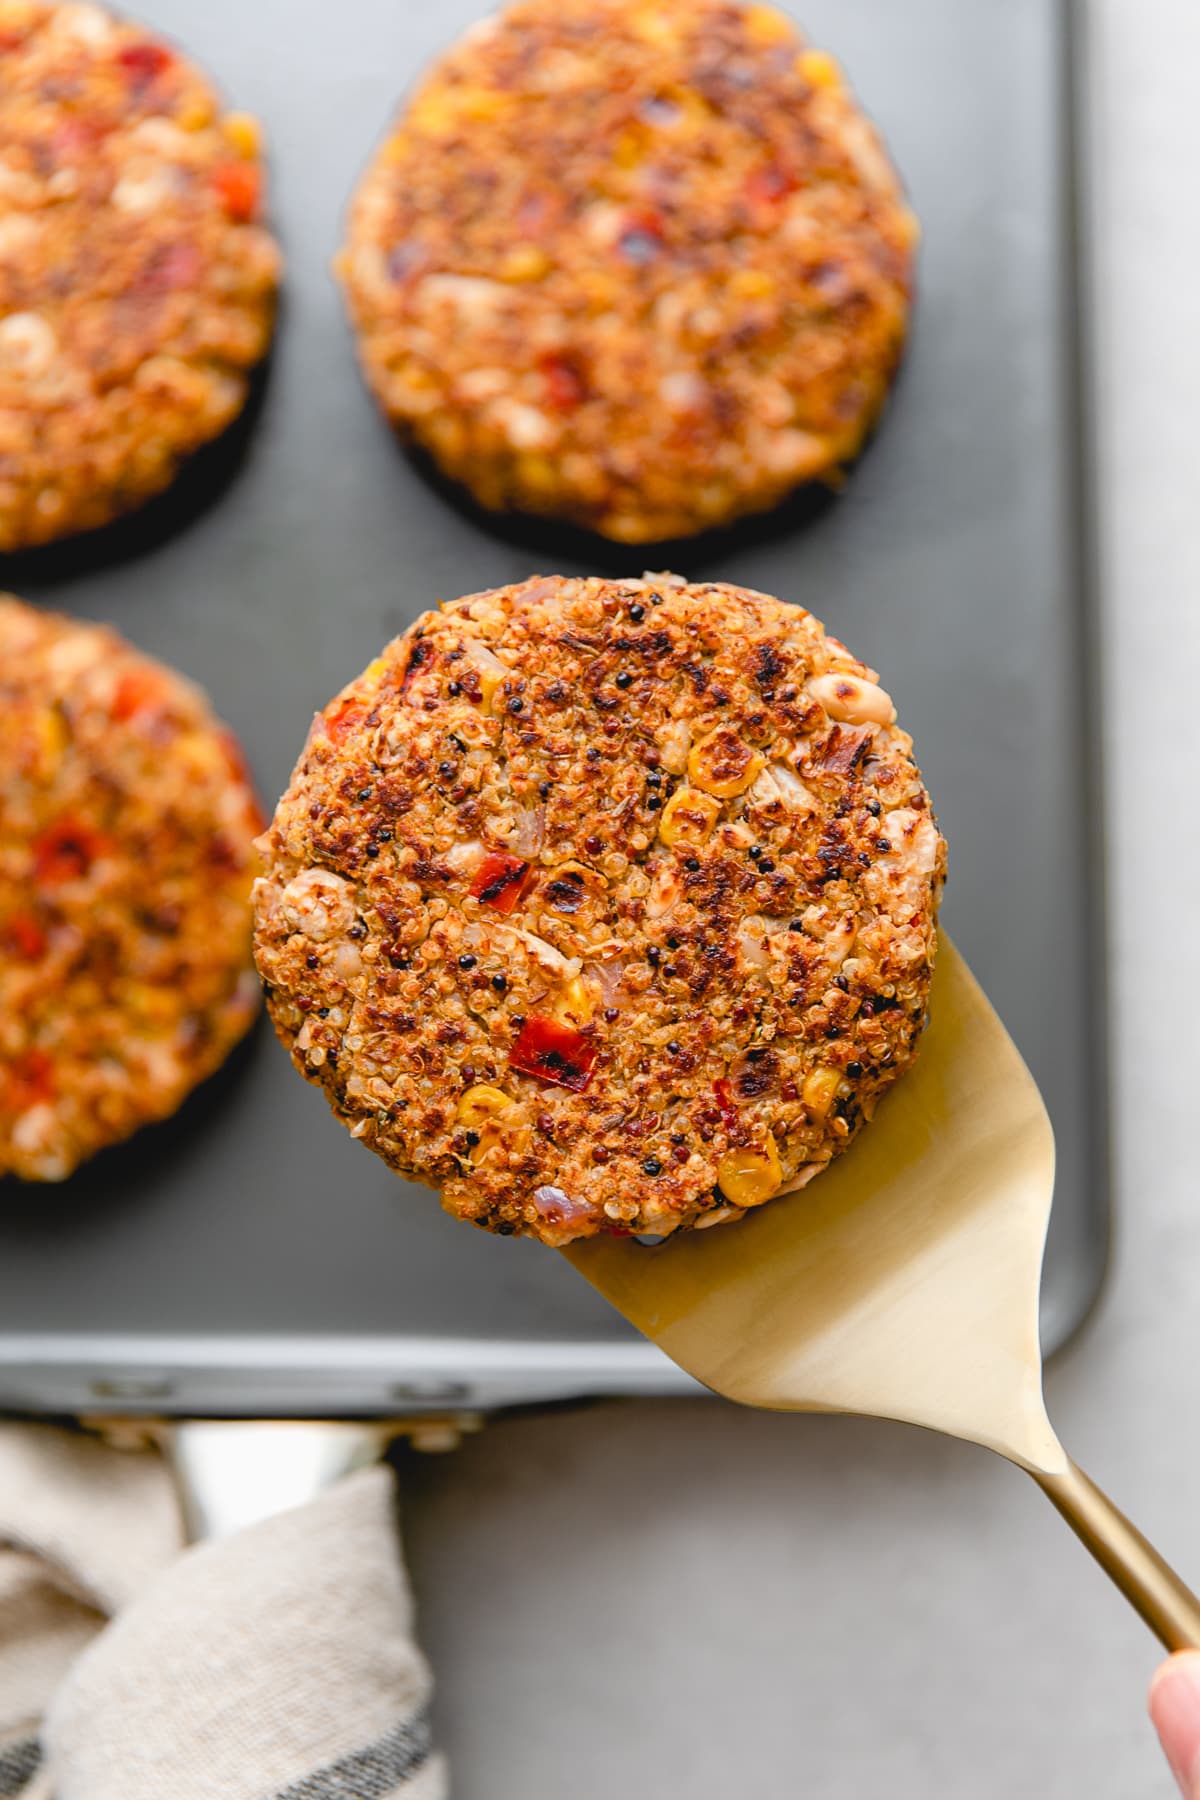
903	1282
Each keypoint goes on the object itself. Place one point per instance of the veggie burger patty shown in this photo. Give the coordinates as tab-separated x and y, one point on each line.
604	905
642	265
126	856
136	288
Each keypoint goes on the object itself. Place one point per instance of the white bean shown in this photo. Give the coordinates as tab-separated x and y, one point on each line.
853	701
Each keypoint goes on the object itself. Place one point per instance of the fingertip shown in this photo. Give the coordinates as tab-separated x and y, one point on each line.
1174	1702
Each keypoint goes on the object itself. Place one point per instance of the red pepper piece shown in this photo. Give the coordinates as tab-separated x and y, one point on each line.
553	1052
234	756
144	60
419	657
565	386
25	937
641	237
240	188
65	852
724	1093
343	717
137	691
73	138
28	1081
842	750
173	267
769	184
499	880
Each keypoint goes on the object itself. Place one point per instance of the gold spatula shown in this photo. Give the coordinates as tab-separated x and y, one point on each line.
903	1283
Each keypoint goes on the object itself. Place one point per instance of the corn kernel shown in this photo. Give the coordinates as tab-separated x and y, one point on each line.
449	435
600	290
909	227
688	817
578	1001
243	132
723	765
820	1090
525	263
819	69
537	474
481	1106
752	284
151	1003
17	15
480	1110
748	1177
374	670
201	754
486	103
432	112
51	738
765	25
653	28
489	681
195	113
629	150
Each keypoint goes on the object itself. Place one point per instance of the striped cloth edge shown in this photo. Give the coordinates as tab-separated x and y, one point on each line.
278	1663
20	1762
371	1774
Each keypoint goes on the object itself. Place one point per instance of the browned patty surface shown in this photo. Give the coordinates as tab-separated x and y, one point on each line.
137	289
126	855
604	905
643	265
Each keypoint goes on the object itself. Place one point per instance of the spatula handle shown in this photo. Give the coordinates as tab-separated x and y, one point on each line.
1150	1585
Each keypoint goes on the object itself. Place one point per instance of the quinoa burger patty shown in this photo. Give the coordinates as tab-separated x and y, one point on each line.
644	266
136	288
126	855
604	906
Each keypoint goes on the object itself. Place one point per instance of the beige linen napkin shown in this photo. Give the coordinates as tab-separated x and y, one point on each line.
277	1664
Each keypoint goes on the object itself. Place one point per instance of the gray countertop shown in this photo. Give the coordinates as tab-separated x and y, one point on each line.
680	1599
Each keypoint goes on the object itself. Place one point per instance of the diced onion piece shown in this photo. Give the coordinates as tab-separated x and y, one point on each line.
752	940
529	830
674	742
608	976
549	960
490	669
780	785
466	857
666	890
720	1215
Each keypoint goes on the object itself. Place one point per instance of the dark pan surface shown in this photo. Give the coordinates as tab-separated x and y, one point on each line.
952	561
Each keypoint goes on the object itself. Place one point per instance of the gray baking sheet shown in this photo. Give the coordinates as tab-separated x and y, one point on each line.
248	1256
